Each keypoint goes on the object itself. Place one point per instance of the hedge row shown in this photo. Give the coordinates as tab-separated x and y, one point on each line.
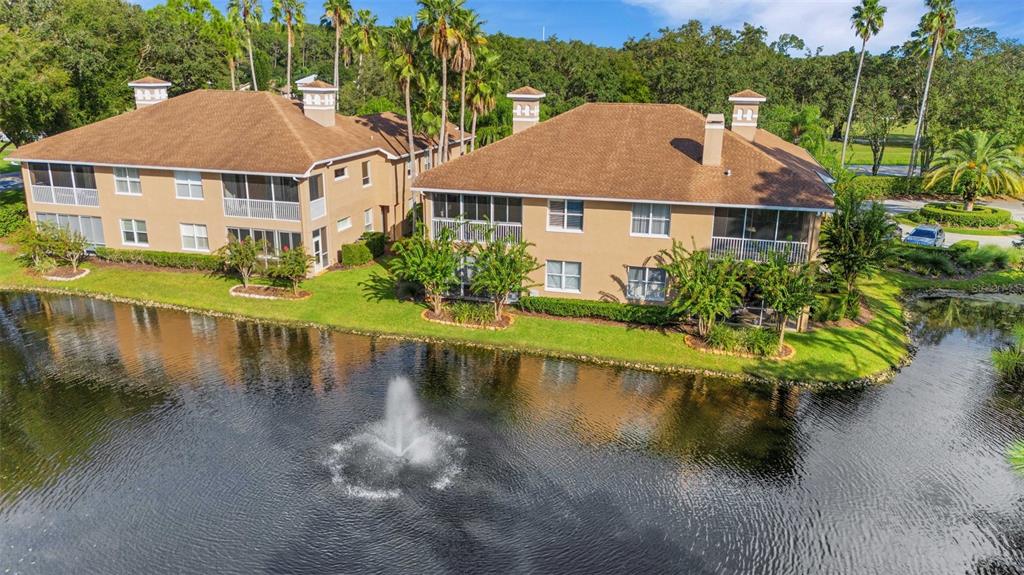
12	216
199	262
954	215
622	312
878	187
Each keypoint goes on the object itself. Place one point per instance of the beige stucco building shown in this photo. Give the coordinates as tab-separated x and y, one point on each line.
182	173
600	190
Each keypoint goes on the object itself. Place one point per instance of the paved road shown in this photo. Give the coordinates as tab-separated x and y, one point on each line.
882	170
10	181
1016	207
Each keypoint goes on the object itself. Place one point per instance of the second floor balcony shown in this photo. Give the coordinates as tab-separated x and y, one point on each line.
757	234
758	250
470	216
261	197
261	209
67	196
65	184
476	230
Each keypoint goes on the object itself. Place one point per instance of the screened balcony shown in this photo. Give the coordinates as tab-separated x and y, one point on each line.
469	217
63	184
261	197
756	234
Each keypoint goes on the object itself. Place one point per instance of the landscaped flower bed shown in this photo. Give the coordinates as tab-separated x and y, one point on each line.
65	274
469	314
955	215
268	292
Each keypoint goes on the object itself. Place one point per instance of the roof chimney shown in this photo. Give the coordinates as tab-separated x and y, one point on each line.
149	91
525	107
318	100
714	132
745	106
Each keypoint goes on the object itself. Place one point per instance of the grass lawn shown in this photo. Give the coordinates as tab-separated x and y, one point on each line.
6	166
12	197
897	148
339	301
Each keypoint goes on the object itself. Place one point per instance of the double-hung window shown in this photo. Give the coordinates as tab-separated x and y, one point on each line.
563	276
646	284
133	233
368	220
194	238
565	215
188	185
651	220
127	182
366	173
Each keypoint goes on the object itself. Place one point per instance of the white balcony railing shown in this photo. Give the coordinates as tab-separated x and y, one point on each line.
67	196
318	208
262	209
476	231
758	250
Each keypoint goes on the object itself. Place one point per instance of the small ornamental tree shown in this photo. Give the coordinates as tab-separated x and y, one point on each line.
703	287
36	244
786	288
857	238
432	263
241	256
292	266
501	268
69	246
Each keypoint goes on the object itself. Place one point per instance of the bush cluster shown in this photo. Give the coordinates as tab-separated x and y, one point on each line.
878	187
471	313
199	262
835	305
354	254
12	217
614	311
377	242
757	341
962	257
954	215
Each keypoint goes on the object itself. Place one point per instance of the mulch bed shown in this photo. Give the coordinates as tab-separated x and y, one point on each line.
506	321
65	274
788	352
268	292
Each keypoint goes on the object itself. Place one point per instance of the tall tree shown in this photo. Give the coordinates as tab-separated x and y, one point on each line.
249	13
436	19
470	39
288	13
481	90
404	44
937	30
867	20
979	164
229	38
878	115
338	15
363	37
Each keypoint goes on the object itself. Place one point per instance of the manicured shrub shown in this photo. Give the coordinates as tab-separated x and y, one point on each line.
926	261
12	216
723	337
880	187
759	341
954	215
377	242
471	313
198	262
355	254
614	311
985	258
964	246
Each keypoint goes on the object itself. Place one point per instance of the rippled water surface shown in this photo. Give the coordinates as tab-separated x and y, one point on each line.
137	440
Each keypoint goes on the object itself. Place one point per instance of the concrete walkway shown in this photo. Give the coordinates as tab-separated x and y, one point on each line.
1016	207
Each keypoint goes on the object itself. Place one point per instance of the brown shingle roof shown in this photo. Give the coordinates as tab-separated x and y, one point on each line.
526	91
149	80
222	131
636	152
316	84
747	94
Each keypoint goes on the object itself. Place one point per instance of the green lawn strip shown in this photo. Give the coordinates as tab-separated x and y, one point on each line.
338	300
1016	231
6	166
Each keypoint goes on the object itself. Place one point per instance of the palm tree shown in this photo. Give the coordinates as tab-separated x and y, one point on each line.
469	40
363	37
249	13
981	164
481	90
228	33
435	17
337	14
404	44
288	13
867	20
938	29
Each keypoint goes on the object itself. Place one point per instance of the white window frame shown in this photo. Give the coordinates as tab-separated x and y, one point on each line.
194	228
192	181
645	284
128	176
562	275
565	215
368	220
649	218
134	231
344	223
367	177
344	173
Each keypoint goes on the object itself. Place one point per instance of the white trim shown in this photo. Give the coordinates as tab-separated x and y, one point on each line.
751	124
748	99
342	178
529	97
149	85
714	125
422	190
148	167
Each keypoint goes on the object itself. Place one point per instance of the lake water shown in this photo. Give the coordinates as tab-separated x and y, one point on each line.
137	440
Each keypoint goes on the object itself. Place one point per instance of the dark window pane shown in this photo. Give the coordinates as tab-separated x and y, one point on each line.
728	222
515	210
761	224
794	226
285	189
500	209
315	189
477	207
452	208
61	175
40	174
259	187
84	177
234	185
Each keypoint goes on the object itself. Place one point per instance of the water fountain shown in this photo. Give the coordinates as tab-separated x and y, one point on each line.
399	453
